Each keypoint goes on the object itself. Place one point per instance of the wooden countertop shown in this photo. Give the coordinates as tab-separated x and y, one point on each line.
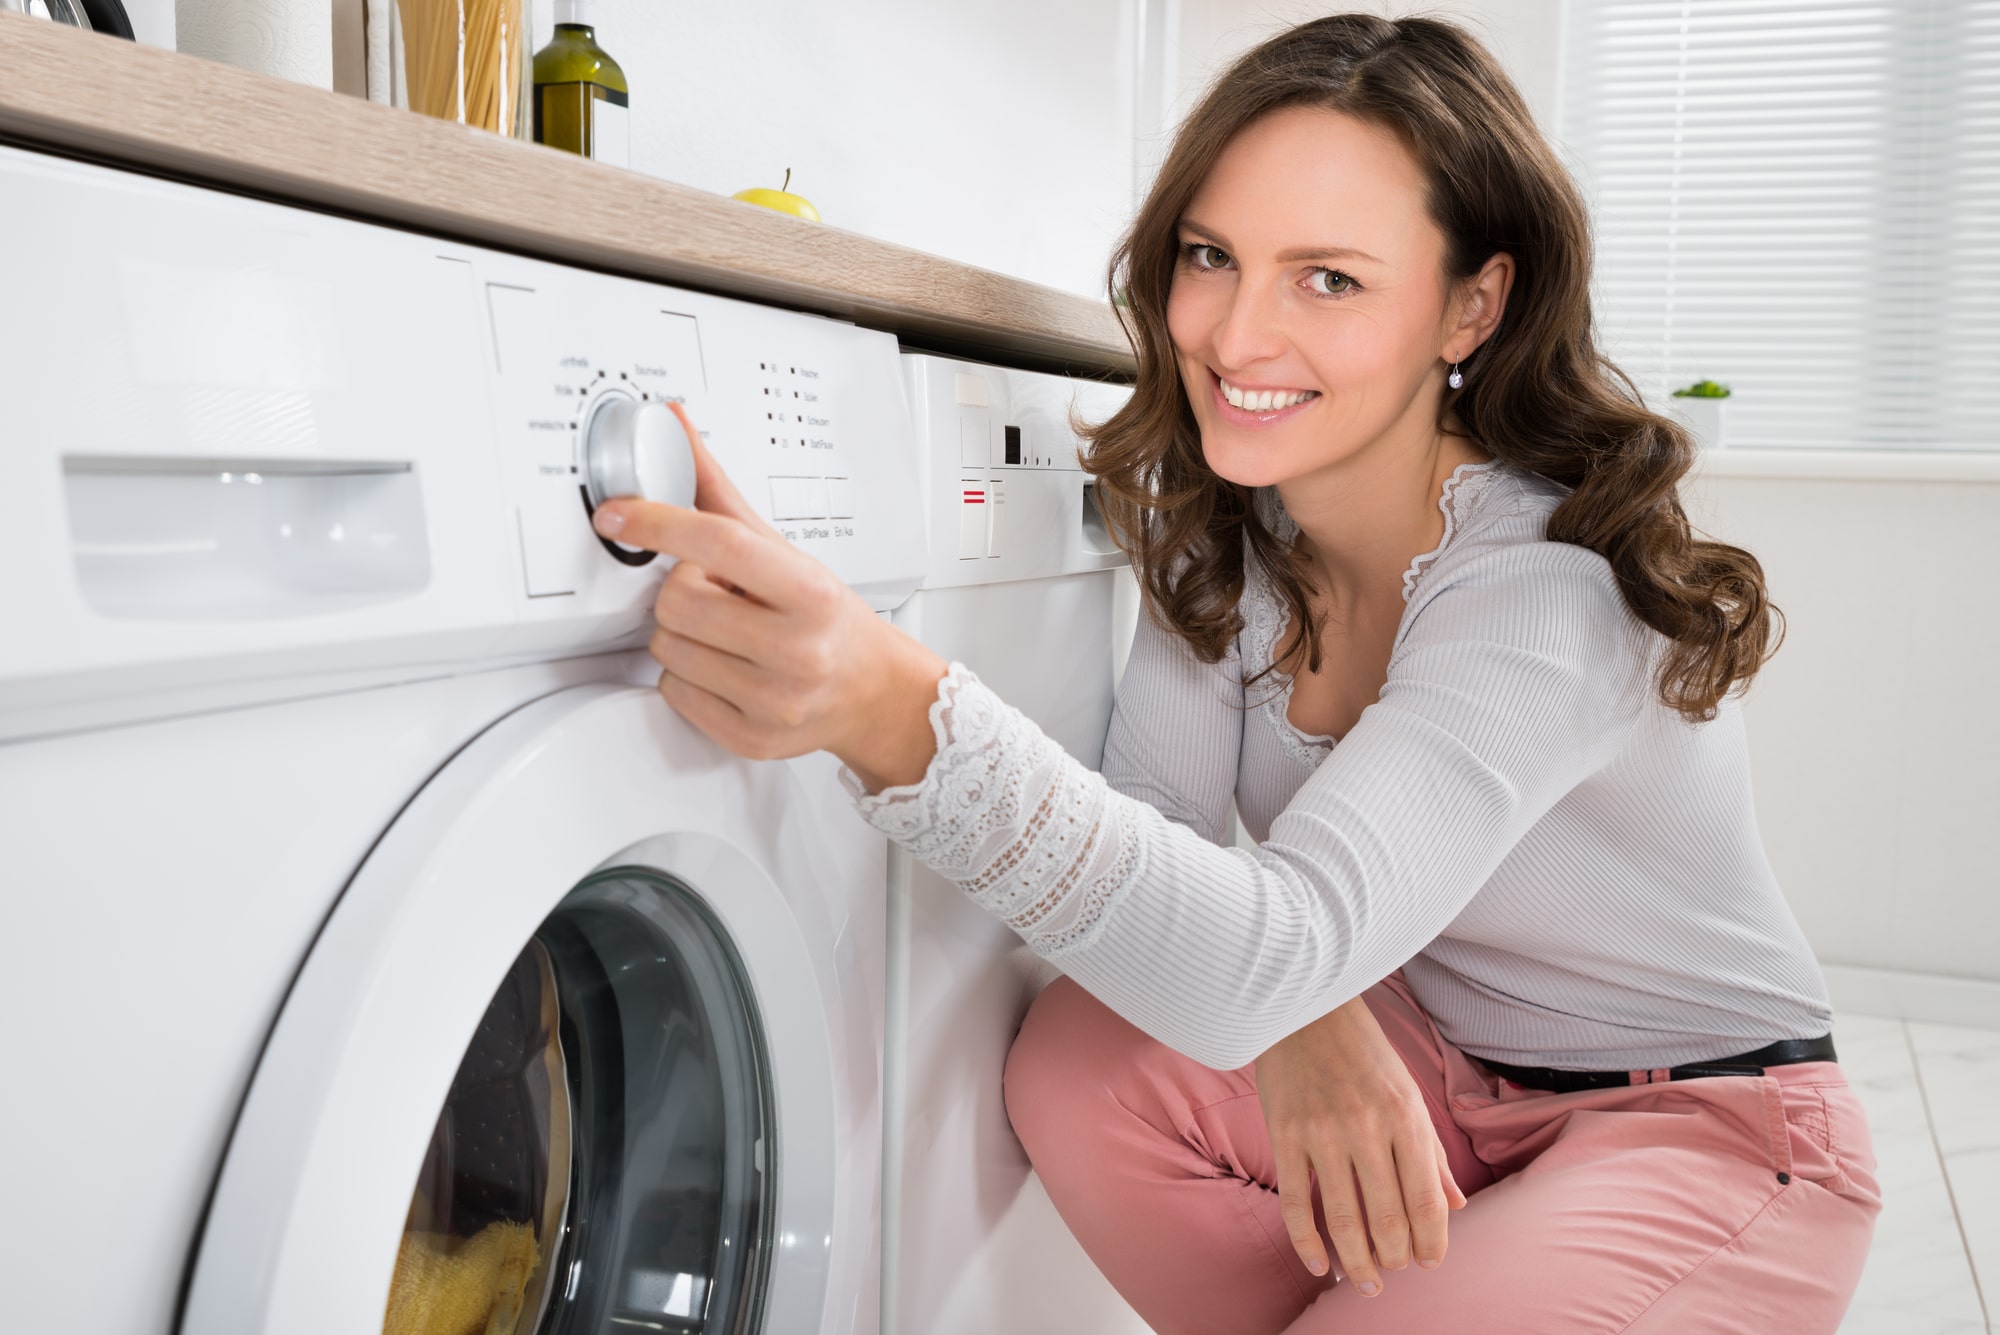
116	102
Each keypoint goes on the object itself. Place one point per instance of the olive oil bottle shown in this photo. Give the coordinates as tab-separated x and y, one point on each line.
581	102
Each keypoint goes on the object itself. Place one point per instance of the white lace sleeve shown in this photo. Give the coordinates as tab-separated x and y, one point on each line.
1035	838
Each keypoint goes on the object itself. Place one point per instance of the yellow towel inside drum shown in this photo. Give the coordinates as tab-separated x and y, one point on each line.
461	1286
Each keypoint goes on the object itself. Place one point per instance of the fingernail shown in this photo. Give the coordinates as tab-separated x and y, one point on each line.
1317	1267
609	522
1370	1290
1427	1263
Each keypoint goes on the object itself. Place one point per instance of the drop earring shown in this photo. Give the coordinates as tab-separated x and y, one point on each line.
1455	380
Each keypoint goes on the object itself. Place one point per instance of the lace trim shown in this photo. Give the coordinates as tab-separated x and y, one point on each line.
1264	620
1265	616
1033	837
1462	493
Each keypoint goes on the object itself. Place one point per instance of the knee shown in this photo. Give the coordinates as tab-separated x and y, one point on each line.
1064	1061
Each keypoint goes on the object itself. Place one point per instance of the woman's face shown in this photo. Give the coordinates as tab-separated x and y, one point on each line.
1309	305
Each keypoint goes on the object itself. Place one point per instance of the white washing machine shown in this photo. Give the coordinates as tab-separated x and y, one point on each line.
1025	587
383	953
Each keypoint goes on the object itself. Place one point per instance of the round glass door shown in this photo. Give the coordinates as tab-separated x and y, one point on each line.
603	1161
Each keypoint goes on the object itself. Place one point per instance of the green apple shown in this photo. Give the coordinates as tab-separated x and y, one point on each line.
779	199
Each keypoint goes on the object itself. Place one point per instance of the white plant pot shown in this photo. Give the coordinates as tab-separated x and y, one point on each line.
1702	417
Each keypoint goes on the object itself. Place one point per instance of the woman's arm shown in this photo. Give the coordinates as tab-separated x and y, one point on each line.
1512	686
1516	680
1342	1110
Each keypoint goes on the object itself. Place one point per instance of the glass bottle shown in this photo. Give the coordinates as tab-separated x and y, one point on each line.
581	102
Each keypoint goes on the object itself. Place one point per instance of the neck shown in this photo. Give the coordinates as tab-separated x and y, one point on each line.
1363	519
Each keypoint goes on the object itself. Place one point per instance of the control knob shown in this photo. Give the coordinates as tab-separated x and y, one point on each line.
634	448
638	449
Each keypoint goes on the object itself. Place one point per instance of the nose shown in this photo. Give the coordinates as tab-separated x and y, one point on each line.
1249	331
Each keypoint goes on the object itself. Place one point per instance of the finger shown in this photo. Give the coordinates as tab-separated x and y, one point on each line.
1382	1200
1452	1195
1423	1195
725	725
1295	1207
687	573
723	675
692	603
719	720
713	491
760	565
1344	1223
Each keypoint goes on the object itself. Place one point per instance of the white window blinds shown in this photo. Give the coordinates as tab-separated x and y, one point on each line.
1801	200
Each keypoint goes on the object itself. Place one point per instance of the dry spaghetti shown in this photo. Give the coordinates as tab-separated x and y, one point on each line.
463	60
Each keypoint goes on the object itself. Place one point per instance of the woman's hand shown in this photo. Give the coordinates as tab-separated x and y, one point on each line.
766	651
1339	1102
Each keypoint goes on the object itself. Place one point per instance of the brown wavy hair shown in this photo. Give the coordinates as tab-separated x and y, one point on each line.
1538	393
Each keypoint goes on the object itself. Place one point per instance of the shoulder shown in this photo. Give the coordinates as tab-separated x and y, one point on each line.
1487	506
1496	521
1496	569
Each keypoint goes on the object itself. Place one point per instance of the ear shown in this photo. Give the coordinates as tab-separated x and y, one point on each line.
1481	301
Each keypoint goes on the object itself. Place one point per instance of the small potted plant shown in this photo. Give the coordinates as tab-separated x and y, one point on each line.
1699	406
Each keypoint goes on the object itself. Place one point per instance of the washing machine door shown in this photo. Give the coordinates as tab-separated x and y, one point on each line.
586	1046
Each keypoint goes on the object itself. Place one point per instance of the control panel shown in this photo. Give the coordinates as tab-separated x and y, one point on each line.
598	383
269	446
1005	494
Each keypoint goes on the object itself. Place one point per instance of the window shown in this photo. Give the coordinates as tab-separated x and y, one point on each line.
1802	201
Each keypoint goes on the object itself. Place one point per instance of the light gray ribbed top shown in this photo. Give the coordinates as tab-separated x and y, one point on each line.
1568	872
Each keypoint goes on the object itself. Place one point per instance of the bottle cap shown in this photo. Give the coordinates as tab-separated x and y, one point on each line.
580	13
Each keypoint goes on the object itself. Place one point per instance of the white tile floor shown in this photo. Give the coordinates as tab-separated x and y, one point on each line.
1933	1098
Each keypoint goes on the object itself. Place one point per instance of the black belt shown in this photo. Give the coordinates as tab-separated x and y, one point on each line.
1785	1052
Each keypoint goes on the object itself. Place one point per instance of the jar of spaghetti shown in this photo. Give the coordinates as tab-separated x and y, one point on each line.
465	60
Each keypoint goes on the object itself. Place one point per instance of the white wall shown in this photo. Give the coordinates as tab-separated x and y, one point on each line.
997	132
1875	732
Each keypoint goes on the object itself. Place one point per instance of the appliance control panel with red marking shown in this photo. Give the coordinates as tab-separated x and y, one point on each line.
1005	493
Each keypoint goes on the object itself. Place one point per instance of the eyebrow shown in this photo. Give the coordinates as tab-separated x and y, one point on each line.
1290	256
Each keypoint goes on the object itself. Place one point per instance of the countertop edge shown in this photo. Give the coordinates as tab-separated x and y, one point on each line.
210	124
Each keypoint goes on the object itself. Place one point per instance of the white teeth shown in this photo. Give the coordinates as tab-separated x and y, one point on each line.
1264	400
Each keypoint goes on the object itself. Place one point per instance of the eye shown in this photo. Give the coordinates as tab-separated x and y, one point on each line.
1330	283
1200	255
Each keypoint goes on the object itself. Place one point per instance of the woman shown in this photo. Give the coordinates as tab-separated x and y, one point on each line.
1422	600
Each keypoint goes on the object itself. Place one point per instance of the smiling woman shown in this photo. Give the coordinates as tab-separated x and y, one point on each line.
1425	610
1419	201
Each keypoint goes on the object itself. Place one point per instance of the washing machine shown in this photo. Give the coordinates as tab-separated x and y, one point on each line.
383	954
1024	586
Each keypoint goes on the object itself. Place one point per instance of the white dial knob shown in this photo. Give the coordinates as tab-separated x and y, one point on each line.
638	449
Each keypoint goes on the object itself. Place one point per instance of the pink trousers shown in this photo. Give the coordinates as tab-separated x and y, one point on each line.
1720	1205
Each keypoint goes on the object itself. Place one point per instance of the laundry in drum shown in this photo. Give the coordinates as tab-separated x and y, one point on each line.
461	1286
488	1203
